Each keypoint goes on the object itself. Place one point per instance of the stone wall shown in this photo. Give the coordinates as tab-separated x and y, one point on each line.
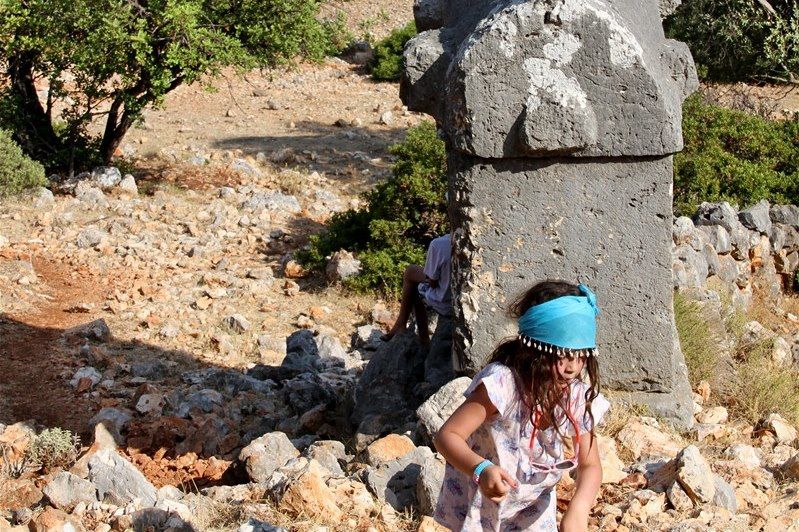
754	249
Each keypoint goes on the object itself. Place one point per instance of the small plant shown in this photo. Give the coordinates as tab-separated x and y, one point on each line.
399	220
14	467
698	345
54	448
17	172
388	63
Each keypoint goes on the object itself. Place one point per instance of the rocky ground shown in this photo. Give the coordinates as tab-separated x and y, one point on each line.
221	387
218	386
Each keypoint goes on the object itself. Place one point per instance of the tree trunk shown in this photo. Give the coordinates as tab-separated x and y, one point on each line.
115	129
36	133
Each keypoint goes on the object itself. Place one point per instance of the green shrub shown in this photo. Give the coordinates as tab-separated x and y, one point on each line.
399	219
739	39
388	62
697	343
17	172
54	448
734	156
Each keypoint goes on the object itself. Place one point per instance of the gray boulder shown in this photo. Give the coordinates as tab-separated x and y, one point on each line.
118	481
273	201
428	486
682	230
341	266
695	476
254	525
724	215
756	217
385	388
159	519
429	14
724	495
718	236
711	258
114	420
437	409
721	214
243	166
90	196
128	186
306	352
395	482
106	177
694	264
727	269
439	364
785	214
778	236
66	490
264	455
90	237
328	453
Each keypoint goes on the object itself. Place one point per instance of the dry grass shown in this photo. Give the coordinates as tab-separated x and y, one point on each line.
762	388
222	517
620	415
698	344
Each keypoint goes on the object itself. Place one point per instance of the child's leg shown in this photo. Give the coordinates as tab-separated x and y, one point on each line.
413	275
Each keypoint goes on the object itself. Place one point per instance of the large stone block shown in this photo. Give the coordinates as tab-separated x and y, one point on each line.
560	121
571	77
596	221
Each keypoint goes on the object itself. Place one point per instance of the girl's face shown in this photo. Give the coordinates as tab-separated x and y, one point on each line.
569	368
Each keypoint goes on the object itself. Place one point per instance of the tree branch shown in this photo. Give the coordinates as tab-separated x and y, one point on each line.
768	7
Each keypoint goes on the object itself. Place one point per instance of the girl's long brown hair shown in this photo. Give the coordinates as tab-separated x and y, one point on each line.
535	370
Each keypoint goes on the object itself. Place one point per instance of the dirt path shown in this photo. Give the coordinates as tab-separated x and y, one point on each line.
34	351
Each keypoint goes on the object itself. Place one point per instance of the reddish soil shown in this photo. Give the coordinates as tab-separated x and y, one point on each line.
34	352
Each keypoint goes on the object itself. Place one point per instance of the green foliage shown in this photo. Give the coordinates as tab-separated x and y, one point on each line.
697	343
17	172
740	39
388	63
400	217
107	60
54	448
734	156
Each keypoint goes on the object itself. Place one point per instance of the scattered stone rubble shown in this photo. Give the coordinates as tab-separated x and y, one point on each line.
737	478
339	434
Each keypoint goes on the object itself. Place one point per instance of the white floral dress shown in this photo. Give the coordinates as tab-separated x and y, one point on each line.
504	439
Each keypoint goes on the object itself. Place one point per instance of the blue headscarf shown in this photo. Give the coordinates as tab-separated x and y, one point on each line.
567	322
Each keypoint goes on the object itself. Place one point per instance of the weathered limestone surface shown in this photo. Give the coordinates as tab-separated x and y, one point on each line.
560	118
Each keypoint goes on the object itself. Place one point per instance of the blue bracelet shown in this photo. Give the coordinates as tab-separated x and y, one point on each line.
479	469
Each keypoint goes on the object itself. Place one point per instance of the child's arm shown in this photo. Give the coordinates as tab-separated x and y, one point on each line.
589	478
450	441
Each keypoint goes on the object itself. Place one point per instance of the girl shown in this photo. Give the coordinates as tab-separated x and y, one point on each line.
504	445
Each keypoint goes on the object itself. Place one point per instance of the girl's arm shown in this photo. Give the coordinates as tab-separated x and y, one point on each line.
450	441
589	478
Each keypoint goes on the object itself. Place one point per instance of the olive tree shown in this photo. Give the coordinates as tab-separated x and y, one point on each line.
67	64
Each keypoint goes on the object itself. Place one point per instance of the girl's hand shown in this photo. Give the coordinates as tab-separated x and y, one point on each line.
495	483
